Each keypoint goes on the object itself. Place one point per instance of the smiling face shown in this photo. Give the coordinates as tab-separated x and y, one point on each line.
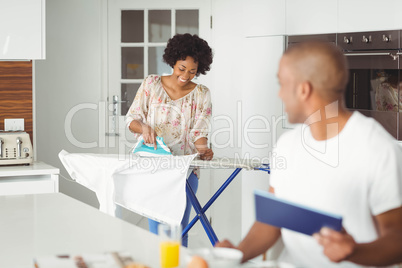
184	71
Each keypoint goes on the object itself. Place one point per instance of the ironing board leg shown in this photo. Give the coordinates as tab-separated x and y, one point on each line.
201	210
198	209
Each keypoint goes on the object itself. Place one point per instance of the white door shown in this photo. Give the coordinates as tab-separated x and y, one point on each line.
137	35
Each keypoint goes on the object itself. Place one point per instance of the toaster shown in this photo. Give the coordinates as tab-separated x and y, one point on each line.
15	148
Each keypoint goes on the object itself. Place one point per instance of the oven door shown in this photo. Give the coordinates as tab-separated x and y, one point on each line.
373	88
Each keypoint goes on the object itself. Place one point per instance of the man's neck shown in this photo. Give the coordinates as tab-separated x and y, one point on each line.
328	121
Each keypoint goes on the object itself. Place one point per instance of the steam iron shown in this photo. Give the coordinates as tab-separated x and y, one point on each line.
147	150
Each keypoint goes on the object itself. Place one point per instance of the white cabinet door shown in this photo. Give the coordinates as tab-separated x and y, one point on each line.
22	31
264	17
369	15
311	16
261	115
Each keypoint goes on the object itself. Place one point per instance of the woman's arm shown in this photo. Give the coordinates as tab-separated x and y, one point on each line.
202	123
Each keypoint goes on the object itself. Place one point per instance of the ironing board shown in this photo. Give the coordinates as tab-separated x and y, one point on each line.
109	163
217	163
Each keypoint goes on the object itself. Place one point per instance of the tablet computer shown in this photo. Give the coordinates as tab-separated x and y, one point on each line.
285	214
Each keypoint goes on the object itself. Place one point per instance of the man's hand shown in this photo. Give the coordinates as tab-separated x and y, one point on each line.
338	246
227	244
224	244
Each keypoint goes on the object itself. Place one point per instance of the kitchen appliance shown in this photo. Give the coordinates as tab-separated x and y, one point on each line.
15	148
374	76
148	150
374	73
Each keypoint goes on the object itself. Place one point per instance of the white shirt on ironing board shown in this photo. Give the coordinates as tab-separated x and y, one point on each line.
153	187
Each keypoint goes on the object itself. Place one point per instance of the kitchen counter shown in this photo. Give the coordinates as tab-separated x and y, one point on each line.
31	179
37	168
49	224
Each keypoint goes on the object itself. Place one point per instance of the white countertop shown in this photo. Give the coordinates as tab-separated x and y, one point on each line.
47	224
37	168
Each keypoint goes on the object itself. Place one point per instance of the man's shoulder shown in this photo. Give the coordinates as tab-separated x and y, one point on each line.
364	126
289	137
371	135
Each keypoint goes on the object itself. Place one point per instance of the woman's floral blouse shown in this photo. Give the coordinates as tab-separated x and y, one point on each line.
180	122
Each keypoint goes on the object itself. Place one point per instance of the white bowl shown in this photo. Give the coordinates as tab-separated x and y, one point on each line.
219	257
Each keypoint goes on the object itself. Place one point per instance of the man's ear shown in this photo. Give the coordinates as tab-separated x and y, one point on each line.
305	90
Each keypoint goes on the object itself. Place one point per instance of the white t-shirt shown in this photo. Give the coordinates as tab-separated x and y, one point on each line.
356	174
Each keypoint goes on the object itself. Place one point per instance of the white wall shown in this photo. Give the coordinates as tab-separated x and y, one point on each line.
70	76
248	42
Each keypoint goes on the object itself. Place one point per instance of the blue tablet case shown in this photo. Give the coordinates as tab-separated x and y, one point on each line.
281	213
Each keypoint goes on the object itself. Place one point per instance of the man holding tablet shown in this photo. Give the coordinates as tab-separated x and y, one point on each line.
337	161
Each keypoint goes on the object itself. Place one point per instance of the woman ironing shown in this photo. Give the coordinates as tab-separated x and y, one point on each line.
175	108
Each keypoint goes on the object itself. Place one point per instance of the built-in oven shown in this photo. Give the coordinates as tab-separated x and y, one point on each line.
373	87
375	74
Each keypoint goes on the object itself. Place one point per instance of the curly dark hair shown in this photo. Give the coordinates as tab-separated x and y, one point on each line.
182	45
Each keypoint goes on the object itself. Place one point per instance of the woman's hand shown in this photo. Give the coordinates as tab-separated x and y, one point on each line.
206	154
203	150
149	135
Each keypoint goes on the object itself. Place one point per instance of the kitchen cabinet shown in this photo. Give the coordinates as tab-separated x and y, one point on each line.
363	15
311	16
33	179
264	17
261	115
22	29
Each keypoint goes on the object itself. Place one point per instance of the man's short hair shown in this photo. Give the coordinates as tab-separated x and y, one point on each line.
323	65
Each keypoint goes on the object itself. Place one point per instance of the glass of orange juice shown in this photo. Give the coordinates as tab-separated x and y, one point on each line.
169	245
